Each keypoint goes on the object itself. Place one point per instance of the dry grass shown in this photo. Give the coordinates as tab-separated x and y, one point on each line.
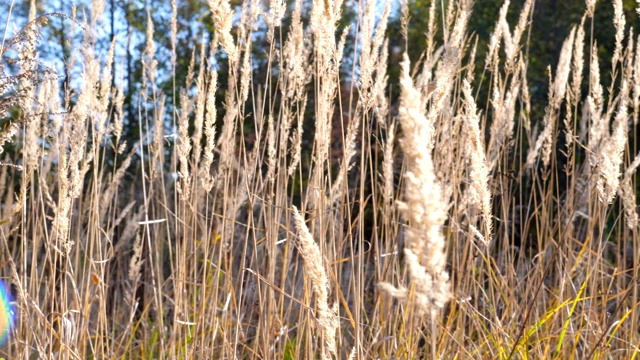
413	228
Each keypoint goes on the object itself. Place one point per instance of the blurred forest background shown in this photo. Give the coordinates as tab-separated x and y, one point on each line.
125	24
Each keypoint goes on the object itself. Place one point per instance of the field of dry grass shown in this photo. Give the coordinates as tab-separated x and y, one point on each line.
425	226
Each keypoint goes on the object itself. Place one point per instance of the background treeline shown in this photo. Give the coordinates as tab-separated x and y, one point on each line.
125	23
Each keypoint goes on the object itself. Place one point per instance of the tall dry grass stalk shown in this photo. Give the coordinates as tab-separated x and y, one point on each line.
479	171
557	90
327	315
424	208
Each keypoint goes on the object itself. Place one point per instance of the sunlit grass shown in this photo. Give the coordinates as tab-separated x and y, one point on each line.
306	211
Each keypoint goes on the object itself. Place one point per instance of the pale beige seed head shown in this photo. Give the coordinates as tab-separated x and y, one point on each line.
423	207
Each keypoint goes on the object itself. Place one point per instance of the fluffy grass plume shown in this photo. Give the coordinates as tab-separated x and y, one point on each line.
424	208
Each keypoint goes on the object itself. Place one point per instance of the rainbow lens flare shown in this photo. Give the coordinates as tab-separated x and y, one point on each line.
6	313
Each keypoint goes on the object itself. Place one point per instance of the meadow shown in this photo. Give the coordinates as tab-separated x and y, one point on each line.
323	211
